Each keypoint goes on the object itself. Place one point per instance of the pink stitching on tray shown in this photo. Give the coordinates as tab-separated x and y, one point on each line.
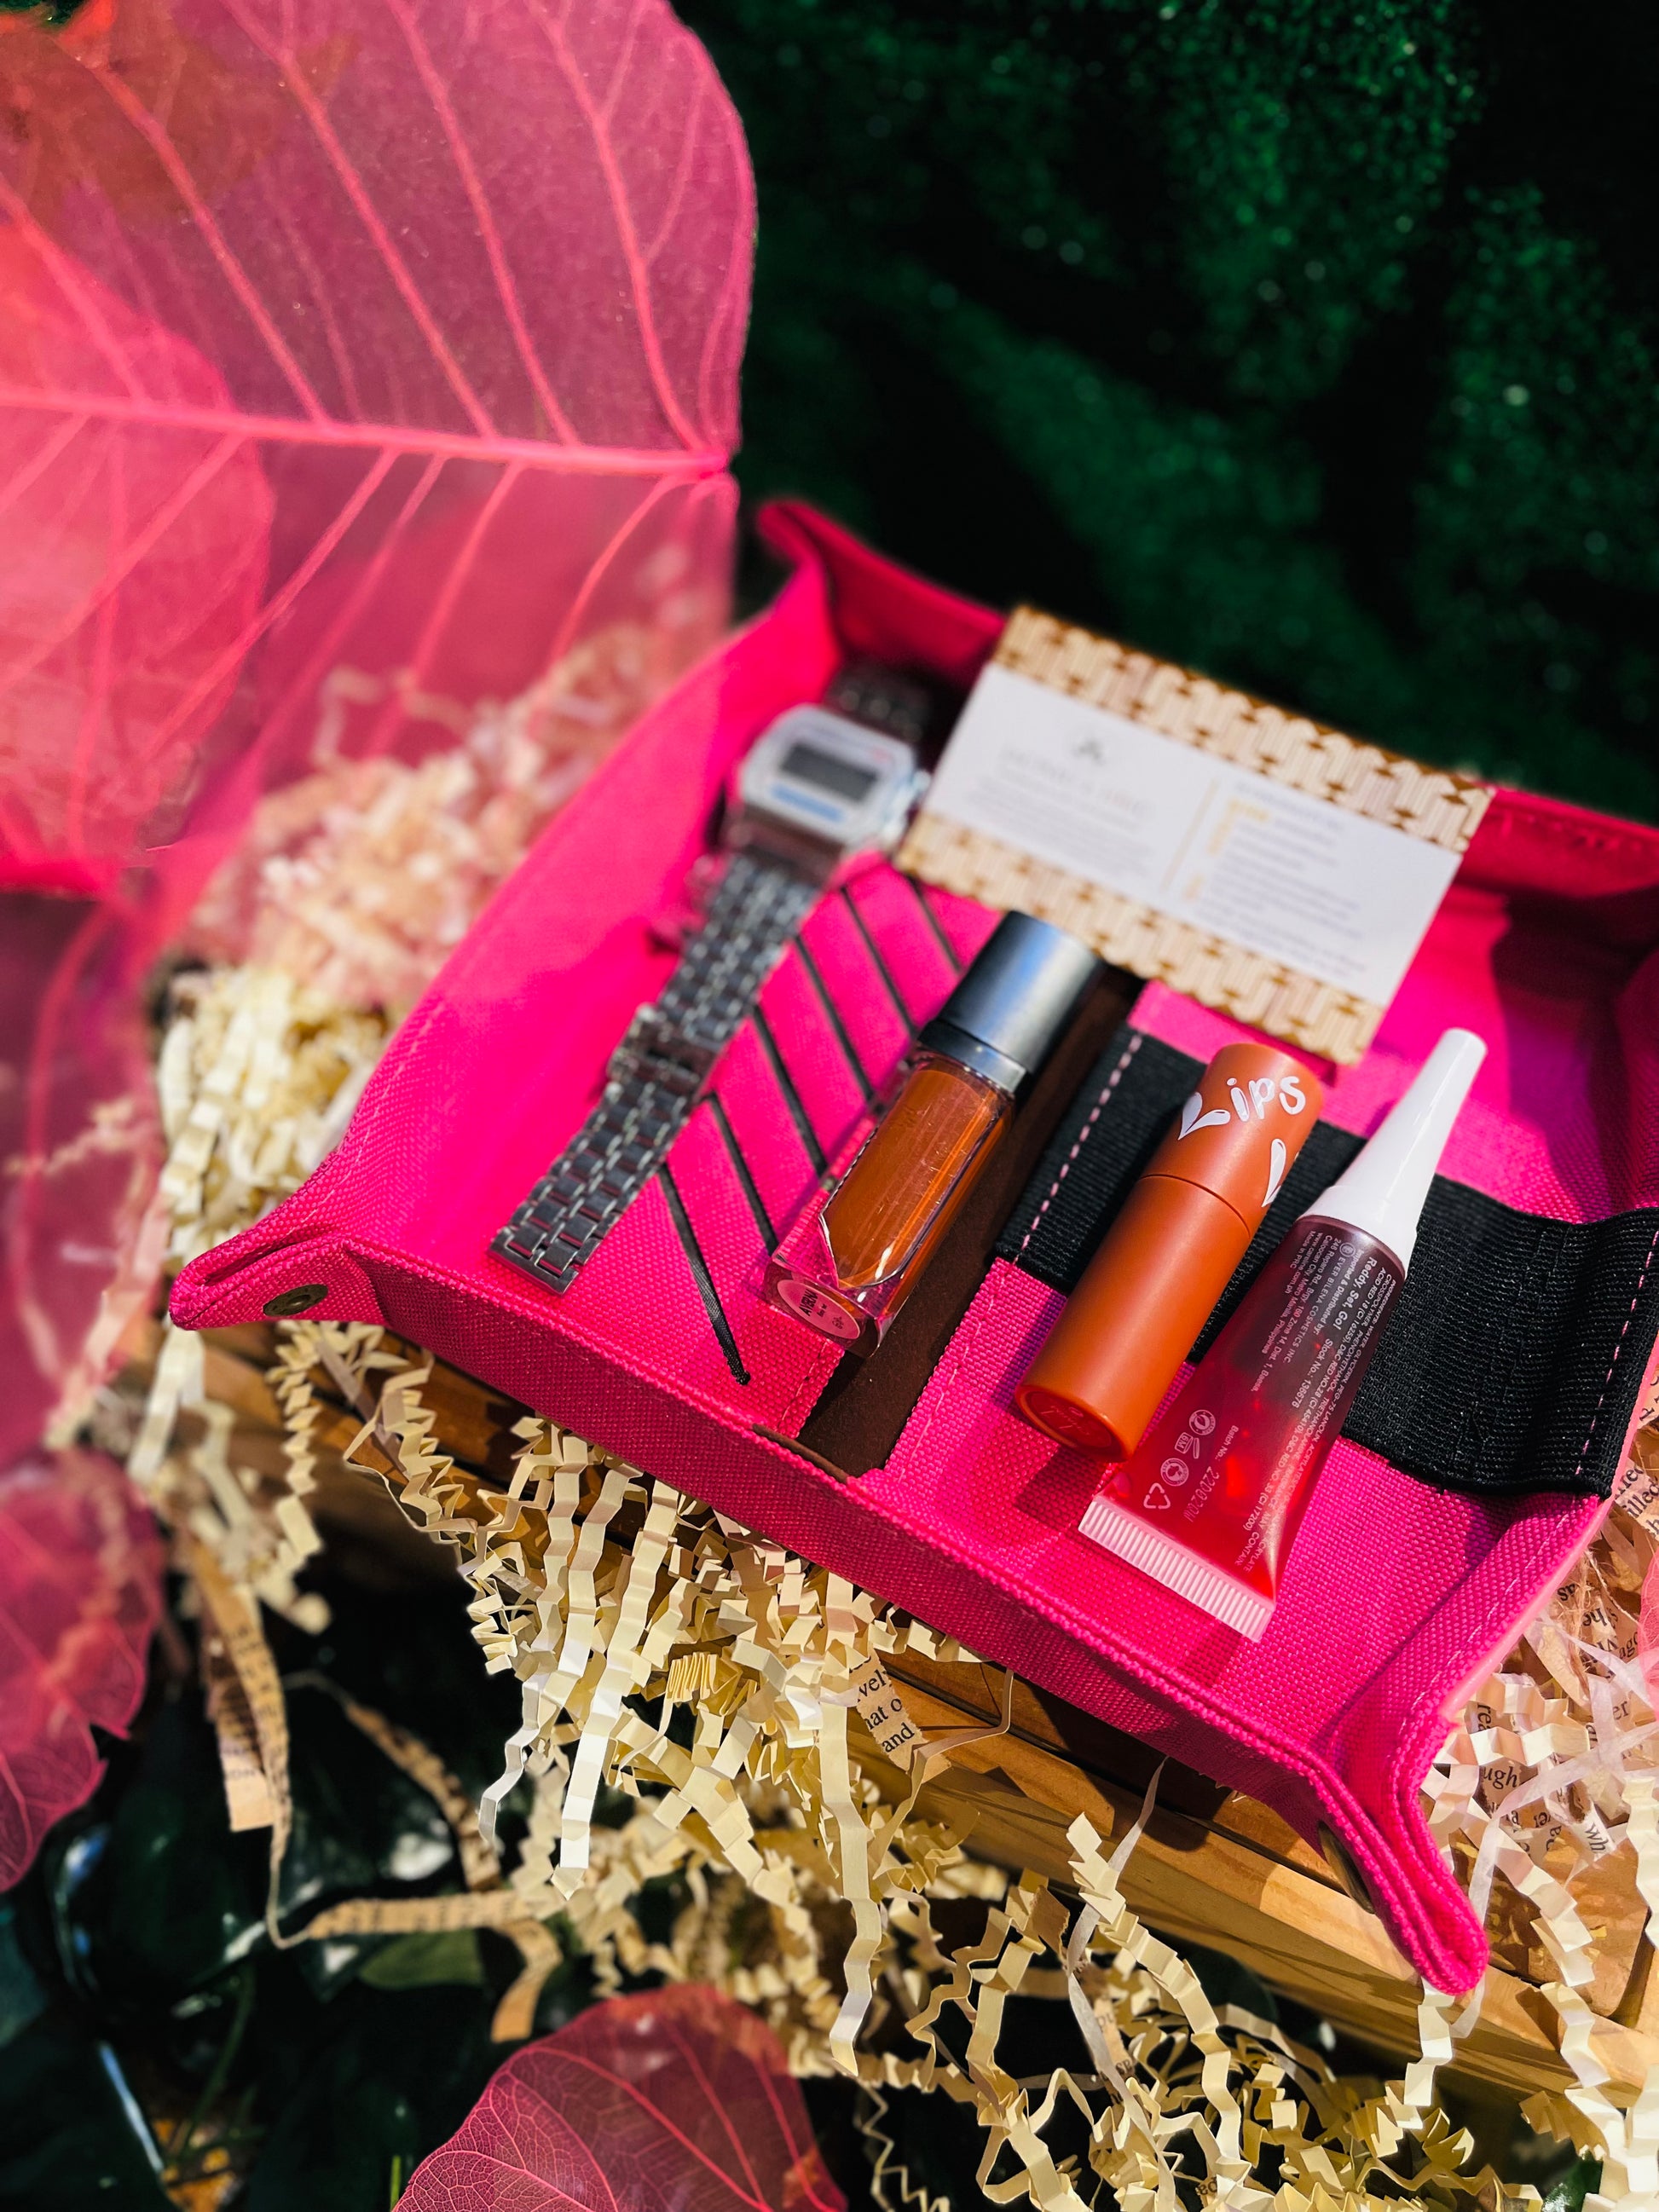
813	1375
1647	1267
1084	1133
941	1386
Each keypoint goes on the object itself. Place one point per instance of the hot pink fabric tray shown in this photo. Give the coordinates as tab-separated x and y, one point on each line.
1400	1595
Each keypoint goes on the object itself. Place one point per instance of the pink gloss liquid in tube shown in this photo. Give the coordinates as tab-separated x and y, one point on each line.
1208	1504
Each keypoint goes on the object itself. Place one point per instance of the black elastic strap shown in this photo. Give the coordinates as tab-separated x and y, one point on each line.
1514	1357
707	1289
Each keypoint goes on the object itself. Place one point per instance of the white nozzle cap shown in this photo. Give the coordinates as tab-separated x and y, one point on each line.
1385	1189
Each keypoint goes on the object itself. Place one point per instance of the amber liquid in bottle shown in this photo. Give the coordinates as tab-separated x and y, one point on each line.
898	1195
846	1270
881	1224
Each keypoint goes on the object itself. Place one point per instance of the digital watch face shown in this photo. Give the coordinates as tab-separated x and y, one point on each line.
832	778
824	771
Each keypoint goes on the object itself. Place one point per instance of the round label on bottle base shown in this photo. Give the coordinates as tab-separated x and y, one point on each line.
820	1309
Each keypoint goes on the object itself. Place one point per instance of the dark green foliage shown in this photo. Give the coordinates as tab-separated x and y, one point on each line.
22	2000
152	1898
137	1976
1311	342
72	2138
1582	2177
391	2077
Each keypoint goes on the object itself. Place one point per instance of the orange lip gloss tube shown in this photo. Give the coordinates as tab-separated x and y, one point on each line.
847	1271
1171	1251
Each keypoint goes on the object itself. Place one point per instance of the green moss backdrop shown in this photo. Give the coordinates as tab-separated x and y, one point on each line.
1315	342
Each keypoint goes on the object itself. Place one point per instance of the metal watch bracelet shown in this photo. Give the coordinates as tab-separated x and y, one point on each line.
658	1070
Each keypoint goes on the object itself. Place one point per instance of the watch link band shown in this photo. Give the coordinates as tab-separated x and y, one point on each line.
657	1072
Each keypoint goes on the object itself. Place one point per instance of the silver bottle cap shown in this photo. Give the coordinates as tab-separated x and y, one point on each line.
1016	1001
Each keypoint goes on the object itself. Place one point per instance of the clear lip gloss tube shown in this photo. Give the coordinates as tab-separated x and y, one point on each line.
847	1271
1207	1505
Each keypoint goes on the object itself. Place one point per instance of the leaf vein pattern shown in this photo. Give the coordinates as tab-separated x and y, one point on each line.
443	604
273	610
699	2074
675	2134
613	91
676	199
65	274
322	299
235	275
98	689
351	184
507	290
124	559
569	627
41	459
616	191
387	437
302	691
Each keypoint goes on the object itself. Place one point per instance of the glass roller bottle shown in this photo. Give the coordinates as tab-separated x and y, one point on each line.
850	1268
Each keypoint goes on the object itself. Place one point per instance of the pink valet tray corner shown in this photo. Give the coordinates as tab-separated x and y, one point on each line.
1400	1596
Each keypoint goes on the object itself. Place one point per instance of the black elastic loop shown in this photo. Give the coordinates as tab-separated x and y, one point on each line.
1514	1357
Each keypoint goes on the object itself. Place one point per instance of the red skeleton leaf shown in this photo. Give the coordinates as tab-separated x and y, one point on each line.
80	1591
341	333
677	2100
370	350
146	562
79	1148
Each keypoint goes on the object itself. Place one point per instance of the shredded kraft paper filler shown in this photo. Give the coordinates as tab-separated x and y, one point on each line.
797	1809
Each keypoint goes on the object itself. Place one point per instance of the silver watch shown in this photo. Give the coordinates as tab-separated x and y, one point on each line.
818	786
